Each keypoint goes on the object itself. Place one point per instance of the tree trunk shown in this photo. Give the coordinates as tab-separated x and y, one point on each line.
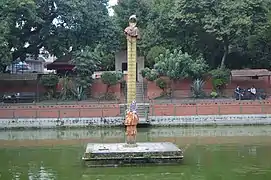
107	89
226	51
3	68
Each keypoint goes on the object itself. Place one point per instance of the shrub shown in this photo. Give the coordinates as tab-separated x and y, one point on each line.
161	83
153	53
50	81
145	71
178	65
78	92
220	78
149	74
66	84
197	88
111	78
214	94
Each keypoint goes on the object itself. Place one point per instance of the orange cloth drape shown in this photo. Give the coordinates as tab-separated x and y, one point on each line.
131	121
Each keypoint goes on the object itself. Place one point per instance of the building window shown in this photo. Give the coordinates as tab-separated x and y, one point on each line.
124	67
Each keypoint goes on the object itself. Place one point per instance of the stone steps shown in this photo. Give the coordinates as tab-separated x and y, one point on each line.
140	91
142	110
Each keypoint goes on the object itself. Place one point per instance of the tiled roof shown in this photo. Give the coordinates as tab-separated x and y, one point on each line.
62	61
250	72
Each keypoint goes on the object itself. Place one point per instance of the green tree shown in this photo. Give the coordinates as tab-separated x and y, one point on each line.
221	31
50	81
123	10
259	42
56	25
220	78
159	29
111	78
107	59
149	74
86	62
8	9
162	84
152	54
5	53
224	19
178	65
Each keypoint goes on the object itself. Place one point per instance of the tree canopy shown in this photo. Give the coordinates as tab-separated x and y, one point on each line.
226	20
178	65
56	25
223	33
221	30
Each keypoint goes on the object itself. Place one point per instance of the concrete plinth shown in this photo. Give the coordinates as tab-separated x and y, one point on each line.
117	154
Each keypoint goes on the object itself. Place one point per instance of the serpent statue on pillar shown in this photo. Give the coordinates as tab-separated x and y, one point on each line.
132	31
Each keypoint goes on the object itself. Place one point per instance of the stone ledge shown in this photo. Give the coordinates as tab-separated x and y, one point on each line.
202	120
118	154
118	133
261	119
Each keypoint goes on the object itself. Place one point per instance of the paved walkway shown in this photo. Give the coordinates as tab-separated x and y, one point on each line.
155	101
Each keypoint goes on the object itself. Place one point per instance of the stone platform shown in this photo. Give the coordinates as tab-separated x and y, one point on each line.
121	154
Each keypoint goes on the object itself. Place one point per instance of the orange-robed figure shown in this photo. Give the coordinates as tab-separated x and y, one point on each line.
131	121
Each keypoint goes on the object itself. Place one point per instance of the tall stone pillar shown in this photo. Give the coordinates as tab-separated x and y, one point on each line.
132	35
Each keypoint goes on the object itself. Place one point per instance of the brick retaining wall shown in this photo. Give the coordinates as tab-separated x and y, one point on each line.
230	108
113	110
59	111
52	116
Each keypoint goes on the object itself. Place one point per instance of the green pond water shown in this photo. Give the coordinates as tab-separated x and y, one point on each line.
226	153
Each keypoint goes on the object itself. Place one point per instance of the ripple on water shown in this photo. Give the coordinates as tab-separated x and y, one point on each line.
255	170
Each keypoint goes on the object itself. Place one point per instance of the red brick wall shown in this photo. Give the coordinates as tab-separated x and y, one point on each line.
60	111
113	110
152	90
181	88
211	109
98	89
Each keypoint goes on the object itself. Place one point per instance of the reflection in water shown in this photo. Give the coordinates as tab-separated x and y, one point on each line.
253	151
16	175
31	172
206	157
40	173
148	132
